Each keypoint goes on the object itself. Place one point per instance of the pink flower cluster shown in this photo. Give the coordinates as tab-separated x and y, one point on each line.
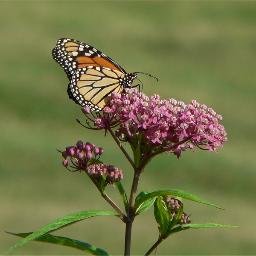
110	172
84	157
79	156
166	125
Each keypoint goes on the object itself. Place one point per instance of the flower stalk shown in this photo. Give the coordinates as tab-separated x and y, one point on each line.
131	212
154	246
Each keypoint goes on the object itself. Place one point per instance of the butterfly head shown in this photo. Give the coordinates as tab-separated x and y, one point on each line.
127	80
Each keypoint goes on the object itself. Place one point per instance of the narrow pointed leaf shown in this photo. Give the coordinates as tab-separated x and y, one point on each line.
122	193
162	216
207	225
171	192
65	241
60	223
145	205
197	226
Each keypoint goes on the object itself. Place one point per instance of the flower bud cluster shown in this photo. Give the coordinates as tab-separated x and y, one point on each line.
83	157
185	219
78	156
110	172
175	206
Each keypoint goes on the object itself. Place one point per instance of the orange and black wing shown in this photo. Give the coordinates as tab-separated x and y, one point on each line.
91	85
72	55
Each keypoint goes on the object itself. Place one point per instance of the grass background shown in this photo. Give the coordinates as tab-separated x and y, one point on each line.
199	50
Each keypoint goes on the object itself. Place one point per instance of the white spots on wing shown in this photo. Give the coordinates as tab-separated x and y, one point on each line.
95	72
74	53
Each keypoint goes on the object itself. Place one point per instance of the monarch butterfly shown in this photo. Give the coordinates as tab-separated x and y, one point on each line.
92	75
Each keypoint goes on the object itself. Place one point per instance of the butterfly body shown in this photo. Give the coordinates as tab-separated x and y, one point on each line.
92	74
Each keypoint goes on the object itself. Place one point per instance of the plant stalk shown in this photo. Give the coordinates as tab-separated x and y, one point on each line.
110	201
121	147
154	246
128	235
115	207
131	213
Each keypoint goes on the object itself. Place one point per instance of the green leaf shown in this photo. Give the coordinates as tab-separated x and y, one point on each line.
162	216
60	223
207	225
171	192
122	193
145	205
197	226
65	241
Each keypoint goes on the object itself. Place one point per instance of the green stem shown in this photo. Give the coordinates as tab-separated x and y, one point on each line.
131	212
114	206
154	246
110	201
121	147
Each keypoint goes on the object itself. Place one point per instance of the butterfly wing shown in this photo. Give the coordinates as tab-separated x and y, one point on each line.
72	55
91	85
91	73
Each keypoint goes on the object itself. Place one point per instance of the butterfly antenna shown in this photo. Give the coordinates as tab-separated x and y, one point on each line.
140	85
147	74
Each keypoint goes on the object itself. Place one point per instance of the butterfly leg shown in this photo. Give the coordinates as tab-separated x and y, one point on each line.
140	86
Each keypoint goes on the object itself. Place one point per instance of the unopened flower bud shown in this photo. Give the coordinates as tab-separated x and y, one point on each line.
100	151
88	146
81	155
70	151
88	155
65	162
114	174
173	204
185	219
80	144
86	110
96	150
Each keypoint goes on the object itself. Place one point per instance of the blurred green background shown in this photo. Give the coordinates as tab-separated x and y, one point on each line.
203	51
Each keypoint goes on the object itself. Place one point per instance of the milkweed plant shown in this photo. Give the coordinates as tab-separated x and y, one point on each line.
149	126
